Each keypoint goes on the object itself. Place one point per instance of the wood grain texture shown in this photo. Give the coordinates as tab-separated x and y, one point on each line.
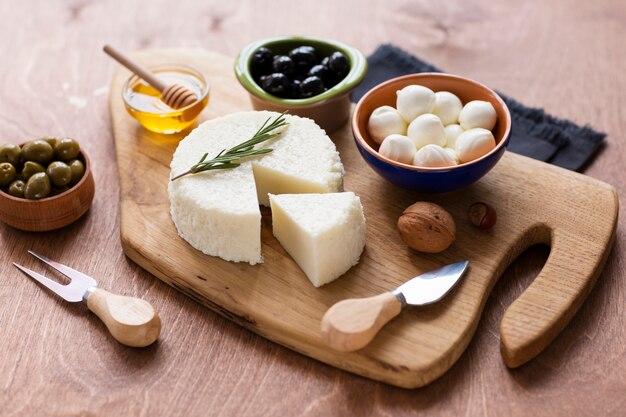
277	301
57	359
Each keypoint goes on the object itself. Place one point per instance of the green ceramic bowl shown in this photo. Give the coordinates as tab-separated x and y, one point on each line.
331	109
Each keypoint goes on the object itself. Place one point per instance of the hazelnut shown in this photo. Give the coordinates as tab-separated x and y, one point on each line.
482	215
427	227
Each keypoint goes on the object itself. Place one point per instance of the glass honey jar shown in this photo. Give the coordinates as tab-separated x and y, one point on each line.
144	103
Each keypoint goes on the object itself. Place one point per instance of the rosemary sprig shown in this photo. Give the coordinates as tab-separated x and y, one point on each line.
229	159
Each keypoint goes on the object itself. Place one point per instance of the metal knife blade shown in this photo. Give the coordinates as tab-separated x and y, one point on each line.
431	286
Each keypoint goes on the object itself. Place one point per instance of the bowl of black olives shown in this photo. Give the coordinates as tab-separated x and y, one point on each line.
45	184
309	77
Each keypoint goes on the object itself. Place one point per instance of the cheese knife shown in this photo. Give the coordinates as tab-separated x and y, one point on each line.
131	321
351	324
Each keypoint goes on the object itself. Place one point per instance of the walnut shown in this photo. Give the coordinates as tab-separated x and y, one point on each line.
427	227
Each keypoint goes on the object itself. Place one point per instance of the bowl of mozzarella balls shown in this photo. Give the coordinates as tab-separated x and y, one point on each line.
431	132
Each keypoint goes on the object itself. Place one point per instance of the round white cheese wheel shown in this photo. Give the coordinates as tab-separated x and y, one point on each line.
447	107
217	212
385	121
478	113
452	132
433	156
474	143
414	100
398	148
427	129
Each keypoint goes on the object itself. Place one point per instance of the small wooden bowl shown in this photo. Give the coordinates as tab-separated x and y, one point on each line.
52	212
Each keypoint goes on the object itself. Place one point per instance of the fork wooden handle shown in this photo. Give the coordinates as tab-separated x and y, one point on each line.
131	321
351	324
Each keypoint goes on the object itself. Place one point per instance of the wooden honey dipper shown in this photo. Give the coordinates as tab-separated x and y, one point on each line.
174	95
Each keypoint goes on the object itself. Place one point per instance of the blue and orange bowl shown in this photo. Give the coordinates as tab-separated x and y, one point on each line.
423	179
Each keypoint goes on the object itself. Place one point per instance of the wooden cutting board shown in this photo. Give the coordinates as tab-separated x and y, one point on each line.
536	203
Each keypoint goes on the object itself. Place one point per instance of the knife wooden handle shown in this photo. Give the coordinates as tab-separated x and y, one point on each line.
351	324
131	321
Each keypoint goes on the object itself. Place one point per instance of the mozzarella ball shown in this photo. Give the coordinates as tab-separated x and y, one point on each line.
427	129
398	148
453	154
433	156
447	107
478	113
452	132
385	121
414	100
474	143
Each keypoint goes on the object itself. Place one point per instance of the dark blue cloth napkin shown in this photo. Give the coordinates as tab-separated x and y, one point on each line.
534	133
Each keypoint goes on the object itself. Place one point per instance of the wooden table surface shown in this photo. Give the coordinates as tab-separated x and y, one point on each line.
56	359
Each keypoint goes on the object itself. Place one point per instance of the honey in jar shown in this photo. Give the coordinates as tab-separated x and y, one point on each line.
144	102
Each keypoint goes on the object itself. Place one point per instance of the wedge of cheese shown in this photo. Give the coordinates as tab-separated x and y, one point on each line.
217	212
323	233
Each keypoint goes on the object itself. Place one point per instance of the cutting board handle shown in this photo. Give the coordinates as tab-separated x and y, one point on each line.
543	310
351	324
131	321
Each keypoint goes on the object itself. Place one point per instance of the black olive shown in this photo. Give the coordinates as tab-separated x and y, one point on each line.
304	57
294	89
325	62
320	71
262	61
311	86
338	65
276	84
284	64
309	48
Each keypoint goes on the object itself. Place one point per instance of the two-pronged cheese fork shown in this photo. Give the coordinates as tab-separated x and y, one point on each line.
131	321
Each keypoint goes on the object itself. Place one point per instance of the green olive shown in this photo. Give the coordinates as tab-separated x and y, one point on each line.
38	186
10	153
38	151
60	173
78	170
16	189
7	174
51	141
31	168
66	149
